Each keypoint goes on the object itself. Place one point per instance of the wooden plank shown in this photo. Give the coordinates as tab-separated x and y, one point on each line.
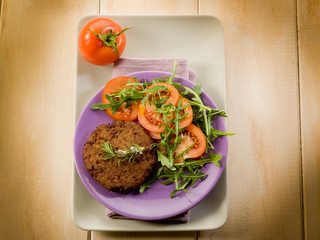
264	180
146	7
144	236
37	62
309	62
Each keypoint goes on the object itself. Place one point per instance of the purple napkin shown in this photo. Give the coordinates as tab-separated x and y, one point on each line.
125	66
181	218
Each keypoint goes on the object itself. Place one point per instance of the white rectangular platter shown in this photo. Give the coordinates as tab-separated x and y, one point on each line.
200	39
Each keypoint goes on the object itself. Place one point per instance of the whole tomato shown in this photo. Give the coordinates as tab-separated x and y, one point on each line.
102	41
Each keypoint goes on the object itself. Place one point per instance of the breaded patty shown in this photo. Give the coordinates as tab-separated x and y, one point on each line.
118	176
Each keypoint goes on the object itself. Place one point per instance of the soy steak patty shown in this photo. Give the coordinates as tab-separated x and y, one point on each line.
125	176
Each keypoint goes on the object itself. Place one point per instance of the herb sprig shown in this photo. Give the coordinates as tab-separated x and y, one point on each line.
130	154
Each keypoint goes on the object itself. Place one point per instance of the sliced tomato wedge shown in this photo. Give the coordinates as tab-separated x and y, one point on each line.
149	119
171	93
113	86
192	135
154	135
187	120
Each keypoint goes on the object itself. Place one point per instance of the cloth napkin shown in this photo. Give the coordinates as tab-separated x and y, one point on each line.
125	66
181	218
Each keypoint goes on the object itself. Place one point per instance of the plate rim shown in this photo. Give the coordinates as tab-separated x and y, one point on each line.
91	189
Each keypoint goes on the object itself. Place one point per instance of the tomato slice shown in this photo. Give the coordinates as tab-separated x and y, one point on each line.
150	120
113	86
187	120
154	135
189	136
172	93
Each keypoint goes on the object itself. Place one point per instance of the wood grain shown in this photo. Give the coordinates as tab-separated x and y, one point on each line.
37	69
309	62
143	236
147	7
264	180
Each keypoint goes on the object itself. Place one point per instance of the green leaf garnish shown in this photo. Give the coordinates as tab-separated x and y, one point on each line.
129	154
183	175
109	38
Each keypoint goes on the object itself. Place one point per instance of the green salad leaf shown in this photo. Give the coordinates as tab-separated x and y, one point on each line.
186	173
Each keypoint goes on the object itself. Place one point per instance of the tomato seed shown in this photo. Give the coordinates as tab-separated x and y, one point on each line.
192	137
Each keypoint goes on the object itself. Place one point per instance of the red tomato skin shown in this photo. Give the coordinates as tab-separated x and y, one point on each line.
92	48
174	98
113	86
197	152
145	122
188	119
154	135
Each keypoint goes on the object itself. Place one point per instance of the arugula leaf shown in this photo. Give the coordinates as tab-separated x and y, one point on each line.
185	150
165	161
173	71
181	178
197	89
182	175
126	96
152	178
214	158
220	133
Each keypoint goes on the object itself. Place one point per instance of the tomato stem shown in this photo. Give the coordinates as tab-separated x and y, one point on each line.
109	38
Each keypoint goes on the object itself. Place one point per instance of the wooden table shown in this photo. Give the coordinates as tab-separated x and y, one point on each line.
273	95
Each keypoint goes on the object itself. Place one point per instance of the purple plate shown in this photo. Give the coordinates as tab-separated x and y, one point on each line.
155	202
